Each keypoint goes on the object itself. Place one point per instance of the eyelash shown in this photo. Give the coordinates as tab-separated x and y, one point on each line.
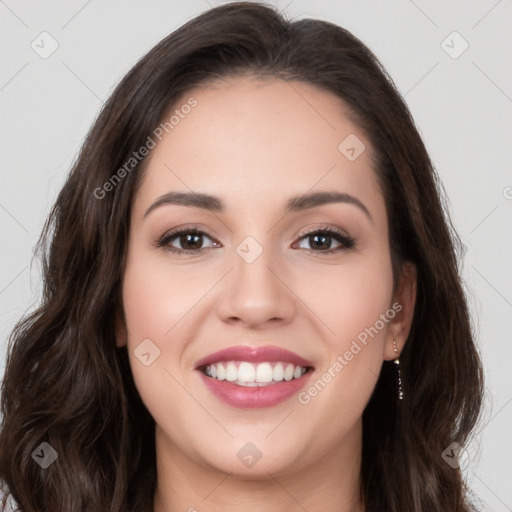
346	241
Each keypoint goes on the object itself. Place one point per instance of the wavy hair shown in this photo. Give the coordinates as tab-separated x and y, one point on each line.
66	383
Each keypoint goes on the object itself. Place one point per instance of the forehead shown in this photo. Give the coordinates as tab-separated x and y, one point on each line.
267	139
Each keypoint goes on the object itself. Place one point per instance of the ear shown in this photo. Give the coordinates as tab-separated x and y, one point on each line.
120	328
404	301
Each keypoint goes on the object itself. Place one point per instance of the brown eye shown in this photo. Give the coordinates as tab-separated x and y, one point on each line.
321	242
326	241
193	241
187	241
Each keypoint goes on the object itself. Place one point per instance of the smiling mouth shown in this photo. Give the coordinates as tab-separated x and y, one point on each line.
245	376
244	373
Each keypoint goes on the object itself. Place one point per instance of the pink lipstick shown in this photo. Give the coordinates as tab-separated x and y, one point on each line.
249	377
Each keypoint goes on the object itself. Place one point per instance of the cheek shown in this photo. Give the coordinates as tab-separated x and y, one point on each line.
158	296
355	302
158	303
347	298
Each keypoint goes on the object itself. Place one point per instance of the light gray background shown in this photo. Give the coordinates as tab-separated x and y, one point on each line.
462	106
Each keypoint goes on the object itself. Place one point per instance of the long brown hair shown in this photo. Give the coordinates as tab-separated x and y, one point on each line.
66	382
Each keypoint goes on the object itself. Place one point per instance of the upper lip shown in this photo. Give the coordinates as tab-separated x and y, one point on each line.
250	354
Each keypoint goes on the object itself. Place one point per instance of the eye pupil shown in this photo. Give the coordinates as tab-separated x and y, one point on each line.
191	241
320	241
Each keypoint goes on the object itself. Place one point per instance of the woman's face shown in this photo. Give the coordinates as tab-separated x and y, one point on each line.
257	349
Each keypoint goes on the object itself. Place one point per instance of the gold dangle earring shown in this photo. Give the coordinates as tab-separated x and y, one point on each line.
397	363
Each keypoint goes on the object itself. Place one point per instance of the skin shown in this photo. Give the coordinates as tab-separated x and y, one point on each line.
255	144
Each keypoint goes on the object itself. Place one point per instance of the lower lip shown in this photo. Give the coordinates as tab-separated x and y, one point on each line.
257	396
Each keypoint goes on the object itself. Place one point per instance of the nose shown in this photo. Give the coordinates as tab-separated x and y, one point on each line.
256	294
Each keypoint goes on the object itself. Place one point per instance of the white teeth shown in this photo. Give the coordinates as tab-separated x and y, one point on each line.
278	372
264	372
247	374
221	371
231	372
288	372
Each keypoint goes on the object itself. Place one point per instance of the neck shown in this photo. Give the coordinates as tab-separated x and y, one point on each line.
332	482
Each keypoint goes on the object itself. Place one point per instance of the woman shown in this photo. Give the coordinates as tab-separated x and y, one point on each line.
251	292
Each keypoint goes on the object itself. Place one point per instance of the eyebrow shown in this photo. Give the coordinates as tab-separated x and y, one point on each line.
295	204
193	199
